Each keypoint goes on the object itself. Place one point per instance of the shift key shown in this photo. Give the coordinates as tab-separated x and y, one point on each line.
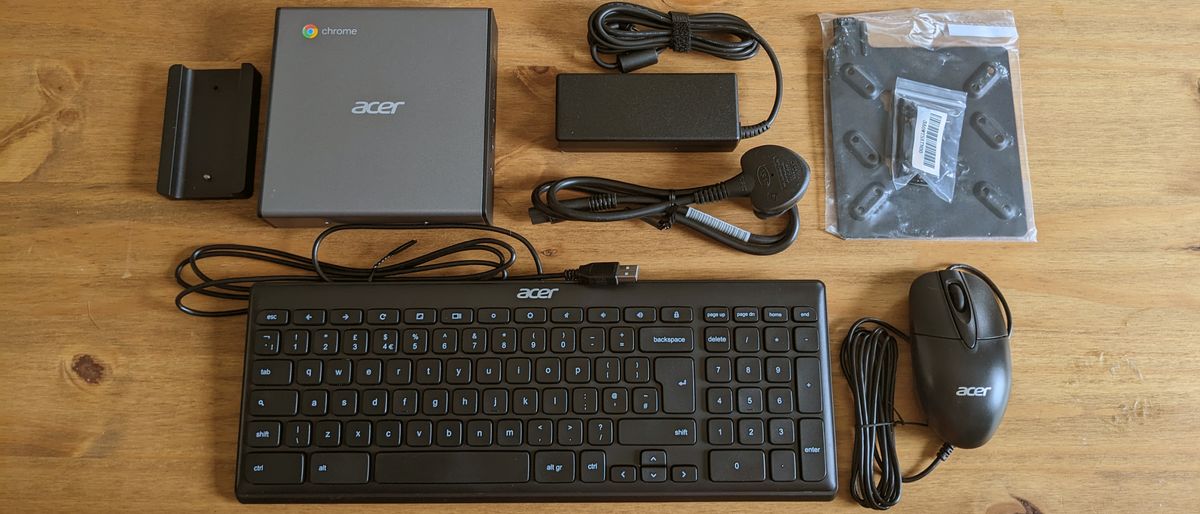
656	432
666	339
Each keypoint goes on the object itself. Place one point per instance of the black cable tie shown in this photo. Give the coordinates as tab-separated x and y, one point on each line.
681	31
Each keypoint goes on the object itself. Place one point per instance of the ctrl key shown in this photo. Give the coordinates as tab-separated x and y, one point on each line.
273	468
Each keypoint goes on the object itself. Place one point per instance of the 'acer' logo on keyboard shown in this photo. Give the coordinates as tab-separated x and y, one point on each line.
536	293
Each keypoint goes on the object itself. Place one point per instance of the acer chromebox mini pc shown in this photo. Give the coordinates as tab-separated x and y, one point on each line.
380	115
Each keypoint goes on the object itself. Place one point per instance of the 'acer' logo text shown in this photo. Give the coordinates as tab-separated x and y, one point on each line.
972	391
365	107
536	293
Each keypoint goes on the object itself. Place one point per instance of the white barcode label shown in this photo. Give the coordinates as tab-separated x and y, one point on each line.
927	141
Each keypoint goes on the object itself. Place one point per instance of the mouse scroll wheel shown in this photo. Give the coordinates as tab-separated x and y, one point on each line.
958	297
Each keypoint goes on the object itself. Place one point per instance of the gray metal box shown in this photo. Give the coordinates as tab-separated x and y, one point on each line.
380	115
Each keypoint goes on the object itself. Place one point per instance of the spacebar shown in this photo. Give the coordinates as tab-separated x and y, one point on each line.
451	467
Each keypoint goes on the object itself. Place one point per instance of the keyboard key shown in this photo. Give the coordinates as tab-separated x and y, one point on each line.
666	339
600	432
509	433
720	400
750	400
645	400
295	342
591	340
746	339
429	371
540	432
716	314
737	466
808	384
449	433
533	340
266	342
445	341
775	314
386	342
337	371
720	432
566	315
273	468
495	401
592	466
806	339
369	372
435	402
779	400
570	432
585	400
554	401
562	340
457	316
358	433
347	317
271	373
603	315
504	340
519	371
637	370
717	339
749	369
549	370
782	431
344	402
525	401
327	342
299	434
621	339
383	316
420	316
657	432
272	317
375	402
720	369
474	340
750	431
776	339
404	402
779	369
314	403
684	474
640	314
745	314
804	314
420	433
579	370
356	342
310	317
812	450
677	314
654	474
416	341
488	371
624	474
479	432
654	458
678	378
616	400
452	467
329	433
387	433
399	371
458	371
465	402
530	315
340	468
783	465
273	403
494	315
263	434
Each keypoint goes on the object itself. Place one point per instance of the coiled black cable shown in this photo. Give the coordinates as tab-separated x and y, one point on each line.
498	257
625	29
614	200
868	359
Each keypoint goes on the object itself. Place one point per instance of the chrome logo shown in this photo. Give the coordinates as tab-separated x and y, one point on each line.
309	31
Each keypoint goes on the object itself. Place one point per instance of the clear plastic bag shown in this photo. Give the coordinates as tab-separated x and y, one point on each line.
969	182
926	126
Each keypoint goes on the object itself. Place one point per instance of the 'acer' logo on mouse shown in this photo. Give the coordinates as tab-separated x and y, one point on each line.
370	107
536	293
972	391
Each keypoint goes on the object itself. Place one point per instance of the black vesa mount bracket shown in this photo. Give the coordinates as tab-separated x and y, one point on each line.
210	133
989	196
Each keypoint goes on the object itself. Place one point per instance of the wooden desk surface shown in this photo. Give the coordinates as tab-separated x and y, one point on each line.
114	400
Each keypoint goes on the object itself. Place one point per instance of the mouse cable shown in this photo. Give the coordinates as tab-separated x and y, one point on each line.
484	258
868	359
637	34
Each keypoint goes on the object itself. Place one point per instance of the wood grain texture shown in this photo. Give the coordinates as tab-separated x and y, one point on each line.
115	401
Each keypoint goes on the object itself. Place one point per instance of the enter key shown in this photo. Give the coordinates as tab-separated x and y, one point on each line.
678	378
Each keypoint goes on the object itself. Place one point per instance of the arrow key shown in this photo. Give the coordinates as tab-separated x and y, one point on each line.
347	317
654	458
654	474
310	317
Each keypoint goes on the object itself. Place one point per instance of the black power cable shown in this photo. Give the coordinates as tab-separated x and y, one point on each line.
637	34
869	359
774	178
498	257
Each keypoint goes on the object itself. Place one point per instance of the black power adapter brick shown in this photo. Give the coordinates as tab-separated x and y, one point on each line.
656	111
681	112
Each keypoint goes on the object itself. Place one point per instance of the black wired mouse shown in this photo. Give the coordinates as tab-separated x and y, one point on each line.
961	326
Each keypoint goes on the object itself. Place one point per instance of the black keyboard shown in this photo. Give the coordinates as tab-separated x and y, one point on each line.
535	391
